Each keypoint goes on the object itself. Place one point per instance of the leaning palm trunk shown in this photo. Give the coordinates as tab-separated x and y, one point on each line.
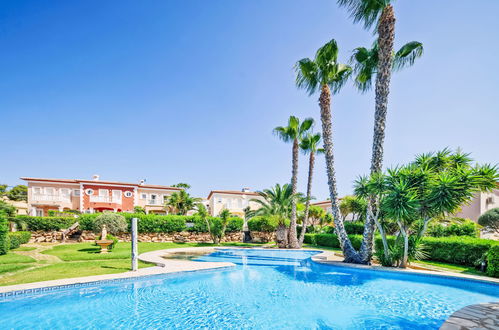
293	240
309	193
375	217
346	246
403	231
386	36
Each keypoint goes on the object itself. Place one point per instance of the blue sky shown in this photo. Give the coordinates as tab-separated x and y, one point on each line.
189	91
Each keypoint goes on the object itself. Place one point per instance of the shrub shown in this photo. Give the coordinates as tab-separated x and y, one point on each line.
309	239
17	238
43	223
493	261
67	213
458	250
109	237
4	229
235	224
331	240
150	223
490	219
466	228
114	223
261	223
354	228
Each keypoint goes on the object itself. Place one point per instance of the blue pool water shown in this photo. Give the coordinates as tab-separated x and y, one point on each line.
267	289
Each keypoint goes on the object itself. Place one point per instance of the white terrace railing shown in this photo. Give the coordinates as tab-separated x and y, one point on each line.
104	199
50	198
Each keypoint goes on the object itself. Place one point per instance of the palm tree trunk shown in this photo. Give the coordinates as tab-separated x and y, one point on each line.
293	240
311	162
386	36
346	246
405	235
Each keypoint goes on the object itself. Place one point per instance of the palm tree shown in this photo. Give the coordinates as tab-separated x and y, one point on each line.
278	203
381	14
324	73
309	144
180	202
293	133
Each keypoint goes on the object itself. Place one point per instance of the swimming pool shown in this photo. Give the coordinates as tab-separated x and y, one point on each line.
267	289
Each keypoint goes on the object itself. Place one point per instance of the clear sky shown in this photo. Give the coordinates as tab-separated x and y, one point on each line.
189	91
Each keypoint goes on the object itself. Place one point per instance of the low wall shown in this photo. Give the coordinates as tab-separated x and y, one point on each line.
179	237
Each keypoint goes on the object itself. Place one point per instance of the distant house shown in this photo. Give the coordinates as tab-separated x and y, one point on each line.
326	206
481	203
89	196
232	200
21	206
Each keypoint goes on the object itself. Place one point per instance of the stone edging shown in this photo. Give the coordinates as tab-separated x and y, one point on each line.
480	316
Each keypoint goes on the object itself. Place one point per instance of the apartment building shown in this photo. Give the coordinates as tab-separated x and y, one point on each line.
481	203
233	200
95	195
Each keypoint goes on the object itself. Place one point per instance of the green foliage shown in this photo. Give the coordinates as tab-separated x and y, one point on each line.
43	223
139	209
115	223
458	250
234	224
465	228
4	229
7	209
67	213
180	202
263	224
310	239
355	228
17	238
493	261
109	237
490	220
331	240
18	193
182	185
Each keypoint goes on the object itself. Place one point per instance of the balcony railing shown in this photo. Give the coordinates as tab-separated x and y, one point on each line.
155	202
104	199
50	198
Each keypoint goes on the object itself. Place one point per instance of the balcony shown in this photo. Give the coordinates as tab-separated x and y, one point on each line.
50	198
156	202
104	199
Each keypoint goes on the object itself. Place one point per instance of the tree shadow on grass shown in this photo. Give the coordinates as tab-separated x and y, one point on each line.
90	250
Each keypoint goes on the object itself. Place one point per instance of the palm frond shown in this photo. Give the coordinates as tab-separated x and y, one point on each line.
307	75
407	55
366	12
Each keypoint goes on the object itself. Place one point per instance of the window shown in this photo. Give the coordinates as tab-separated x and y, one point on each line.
103	192
143	196
117	195
128	194
49	191
89	192
220	200
65	192
240	203
76	192
39	212
153	197
37	190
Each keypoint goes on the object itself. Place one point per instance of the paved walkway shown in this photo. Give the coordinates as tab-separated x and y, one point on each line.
481	316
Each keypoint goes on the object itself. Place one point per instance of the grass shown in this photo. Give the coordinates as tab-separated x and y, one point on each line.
449	267
77	260
25	248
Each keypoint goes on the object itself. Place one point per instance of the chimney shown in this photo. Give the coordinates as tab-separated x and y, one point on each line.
95	177
245	189
142	182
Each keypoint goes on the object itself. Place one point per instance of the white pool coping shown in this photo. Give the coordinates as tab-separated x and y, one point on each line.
169	266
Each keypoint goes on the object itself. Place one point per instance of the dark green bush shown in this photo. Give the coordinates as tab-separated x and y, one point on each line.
354	228
114	223
331	240
260	223
493	261
458	250
17	238
309	239
466	228
4	229
150	223
43	223
235	224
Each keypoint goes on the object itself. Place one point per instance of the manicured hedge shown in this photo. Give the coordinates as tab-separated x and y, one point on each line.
4	229
44	223
264	224
457	250
331	240
153	223
353	228
17	238
493	261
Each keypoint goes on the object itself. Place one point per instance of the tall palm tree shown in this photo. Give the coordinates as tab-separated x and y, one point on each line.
366	65
324	73
381	14
277	203
309	144
293	132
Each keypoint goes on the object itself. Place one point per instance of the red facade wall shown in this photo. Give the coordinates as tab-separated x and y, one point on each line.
126	202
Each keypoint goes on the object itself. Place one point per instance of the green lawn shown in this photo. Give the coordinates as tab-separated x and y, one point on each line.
449	267
80	259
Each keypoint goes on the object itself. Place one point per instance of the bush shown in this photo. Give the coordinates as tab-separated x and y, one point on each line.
466	228
354	228
67	213
109	237
493	261
43	223
309	239
490	219
457	250
235	224
331	240
17	238
114	223
4	229
261	223
150	223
